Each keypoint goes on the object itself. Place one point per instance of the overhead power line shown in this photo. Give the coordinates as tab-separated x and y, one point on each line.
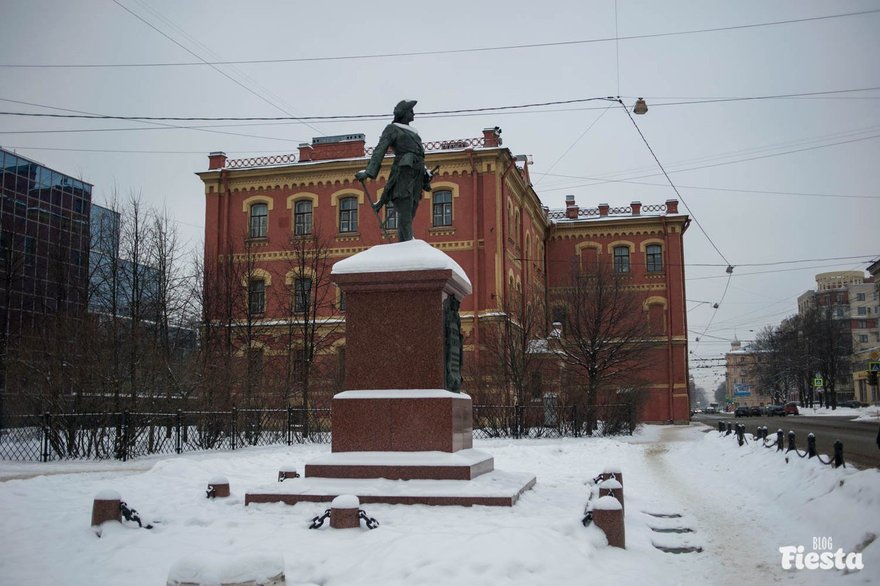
434	113
615	39
246	87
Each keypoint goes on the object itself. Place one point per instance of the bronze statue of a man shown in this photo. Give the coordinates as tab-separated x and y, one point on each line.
409	177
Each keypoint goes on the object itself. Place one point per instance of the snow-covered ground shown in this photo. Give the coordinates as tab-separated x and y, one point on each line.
861	414
742	503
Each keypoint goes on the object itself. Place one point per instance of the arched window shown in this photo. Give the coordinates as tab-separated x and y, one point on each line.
621	259
654	258
442	208
390	216
256	296
259	221
348	214
302	217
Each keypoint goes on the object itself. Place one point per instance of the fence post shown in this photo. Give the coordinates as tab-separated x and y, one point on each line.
791	440
234	417
720	427
289	424
811	445
47	429
575	422
179	446
125	422
838	454
779	441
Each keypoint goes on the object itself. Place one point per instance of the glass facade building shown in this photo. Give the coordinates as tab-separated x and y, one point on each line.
44	243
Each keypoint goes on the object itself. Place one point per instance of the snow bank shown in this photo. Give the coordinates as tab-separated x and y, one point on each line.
209	568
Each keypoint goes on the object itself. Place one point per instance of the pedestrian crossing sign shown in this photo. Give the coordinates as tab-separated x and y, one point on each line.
874	367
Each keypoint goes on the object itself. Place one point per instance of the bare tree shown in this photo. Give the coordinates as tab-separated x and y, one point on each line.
514	351
313	312
606	335
171	304
831	345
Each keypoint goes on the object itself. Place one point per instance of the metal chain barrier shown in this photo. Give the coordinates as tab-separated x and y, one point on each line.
761	433
370	521
132	515
318	520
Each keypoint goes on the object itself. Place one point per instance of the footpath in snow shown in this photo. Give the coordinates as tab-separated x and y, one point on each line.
685	488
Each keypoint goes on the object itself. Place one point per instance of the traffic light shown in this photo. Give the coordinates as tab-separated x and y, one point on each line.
872	378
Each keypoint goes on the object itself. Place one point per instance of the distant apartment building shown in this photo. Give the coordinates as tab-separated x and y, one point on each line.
743	388
853	299
865	392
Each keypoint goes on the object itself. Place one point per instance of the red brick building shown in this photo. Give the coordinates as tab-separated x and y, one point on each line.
483	212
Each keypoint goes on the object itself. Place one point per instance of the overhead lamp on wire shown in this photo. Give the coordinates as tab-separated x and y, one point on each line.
641	107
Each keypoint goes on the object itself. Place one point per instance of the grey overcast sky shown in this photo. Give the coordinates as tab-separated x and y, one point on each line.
785	187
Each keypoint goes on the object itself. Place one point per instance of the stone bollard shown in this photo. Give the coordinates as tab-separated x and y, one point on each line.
344	512
612	487
218	487
106	507
612	472
608	516
287	472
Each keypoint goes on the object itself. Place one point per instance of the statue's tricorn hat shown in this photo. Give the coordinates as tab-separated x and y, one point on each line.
404	105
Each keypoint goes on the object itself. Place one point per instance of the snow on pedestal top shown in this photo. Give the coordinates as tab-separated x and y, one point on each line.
607	503
412	255
346	501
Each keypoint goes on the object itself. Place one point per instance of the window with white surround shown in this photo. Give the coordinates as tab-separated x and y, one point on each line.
441	204
259	221
302	294
390	216
654	258
621	259
302	217
257	296
348	214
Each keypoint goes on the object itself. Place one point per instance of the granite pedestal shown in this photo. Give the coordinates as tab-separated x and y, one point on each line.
401	417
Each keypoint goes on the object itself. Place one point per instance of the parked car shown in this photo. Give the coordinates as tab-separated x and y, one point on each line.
791	409
775	410
742	411
853	404
755	411
711	411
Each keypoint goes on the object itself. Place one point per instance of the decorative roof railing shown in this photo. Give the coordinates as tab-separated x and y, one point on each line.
594	212
444	145
268	161
276	160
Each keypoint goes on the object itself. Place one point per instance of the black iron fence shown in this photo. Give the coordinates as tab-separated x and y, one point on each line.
549	421
128	435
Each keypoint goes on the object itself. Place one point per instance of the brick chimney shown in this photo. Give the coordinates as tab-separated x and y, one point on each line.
305	152
571	208
340	146
671	206
603	210
636	208
216	160
492	137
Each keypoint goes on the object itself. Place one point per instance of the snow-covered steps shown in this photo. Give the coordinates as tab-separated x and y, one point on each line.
671	533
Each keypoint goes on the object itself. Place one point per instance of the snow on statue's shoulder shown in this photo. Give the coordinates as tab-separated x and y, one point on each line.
412	255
